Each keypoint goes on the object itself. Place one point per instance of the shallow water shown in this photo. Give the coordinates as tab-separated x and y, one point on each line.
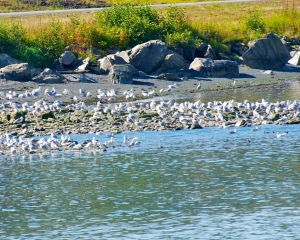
188	184
270	93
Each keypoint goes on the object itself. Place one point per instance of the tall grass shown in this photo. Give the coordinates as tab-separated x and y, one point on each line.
124	26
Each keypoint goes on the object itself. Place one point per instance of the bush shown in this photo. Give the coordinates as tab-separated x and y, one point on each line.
11	38
33	56
50	41
255	23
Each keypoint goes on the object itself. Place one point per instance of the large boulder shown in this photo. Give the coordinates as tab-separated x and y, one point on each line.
122	73
266	53
7	60
148	56
67	58
206	67
49	76
107	62
204	50
173	62
16	72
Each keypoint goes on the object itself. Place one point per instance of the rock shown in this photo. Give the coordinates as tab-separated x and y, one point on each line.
121	58
7	60
240	123
83	66
48	114
49	76
122	73
105	64
266	53
273	116
16	72
35	71
173	62
210	53
200	50
206	67
295	60
67	58
188	53
148	56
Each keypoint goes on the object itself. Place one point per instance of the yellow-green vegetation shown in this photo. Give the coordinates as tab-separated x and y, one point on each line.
39	39
33	5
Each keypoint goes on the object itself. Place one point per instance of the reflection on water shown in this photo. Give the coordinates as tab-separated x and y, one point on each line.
188	184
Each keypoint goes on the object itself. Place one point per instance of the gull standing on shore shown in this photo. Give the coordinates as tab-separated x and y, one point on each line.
199	86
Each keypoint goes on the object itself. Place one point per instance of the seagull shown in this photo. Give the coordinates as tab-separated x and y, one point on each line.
82	92
199	86
19	120
234	84
232	131
66	91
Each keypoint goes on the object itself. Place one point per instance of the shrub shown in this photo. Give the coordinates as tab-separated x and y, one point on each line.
33	56
11	38
255	23
49	40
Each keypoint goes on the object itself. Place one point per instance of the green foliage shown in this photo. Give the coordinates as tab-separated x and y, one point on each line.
11	38
140	24
219	47
33	56
181	39
49	40
255	23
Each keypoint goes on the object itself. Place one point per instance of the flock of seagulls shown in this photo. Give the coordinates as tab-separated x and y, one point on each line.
169	113
13	145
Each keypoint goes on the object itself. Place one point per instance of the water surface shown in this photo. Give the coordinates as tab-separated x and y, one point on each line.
188	184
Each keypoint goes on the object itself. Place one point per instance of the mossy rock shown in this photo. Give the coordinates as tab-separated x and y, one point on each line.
48	114
229	116
274	116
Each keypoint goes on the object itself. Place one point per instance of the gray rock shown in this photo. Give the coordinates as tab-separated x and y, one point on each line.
210	53
266	53
201	50
173	62
188	53
16	72
295	60
122	73
35	71
148	56
7	60
121	58
106	63
83	66
206	67
49	76
67	58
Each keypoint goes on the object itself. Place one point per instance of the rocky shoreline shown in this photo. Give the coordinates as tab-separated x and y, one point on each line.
26	119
